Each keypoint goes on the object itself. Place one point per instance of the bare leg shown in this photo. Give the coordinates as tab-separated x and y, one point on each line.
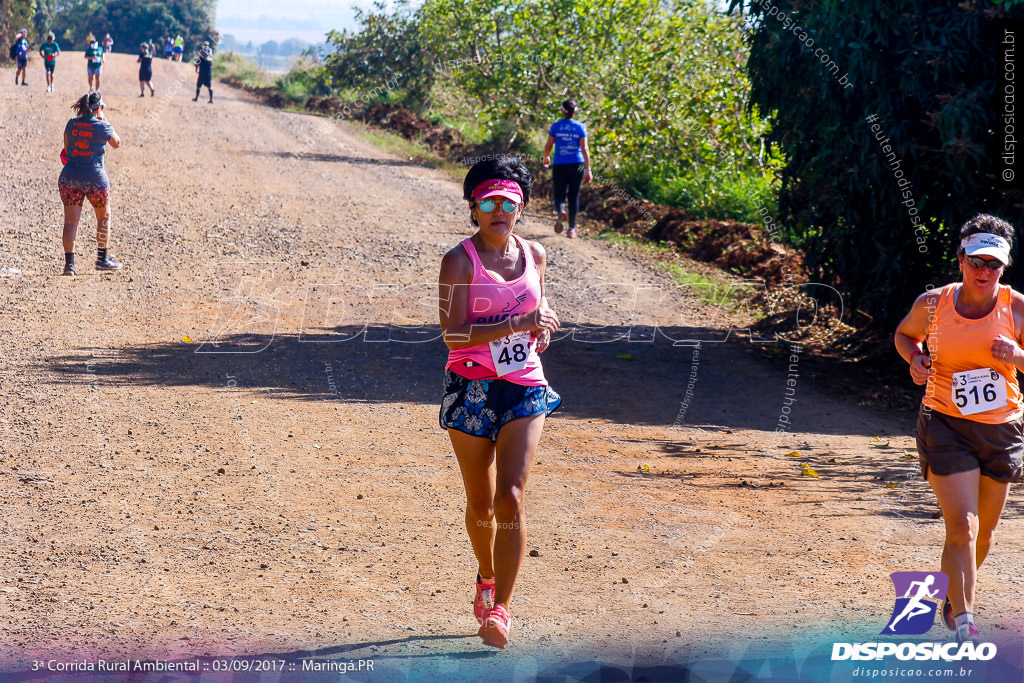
102	225
958	498
515	449
991	499
72	214
476	456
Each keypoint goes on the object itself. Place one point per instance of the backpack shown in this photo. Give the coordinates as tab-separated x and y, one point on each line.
14	51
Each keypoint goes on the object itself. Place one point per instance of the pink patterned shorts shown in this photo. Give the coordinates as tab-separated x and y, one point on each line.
72	194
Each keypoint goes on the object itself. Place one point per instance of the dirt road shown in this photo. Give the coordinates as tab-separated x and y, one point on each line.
288	491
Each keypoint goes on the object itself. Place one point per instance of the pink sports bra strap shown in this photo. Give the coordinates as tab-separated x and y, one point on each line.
478	266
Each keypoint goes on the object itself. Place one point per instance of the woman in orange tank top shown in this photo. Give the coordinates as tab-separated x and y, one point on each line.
970	432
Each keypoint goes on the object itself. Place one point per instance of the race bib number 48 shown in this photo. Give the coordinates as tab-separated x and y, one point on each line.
975	391
511	353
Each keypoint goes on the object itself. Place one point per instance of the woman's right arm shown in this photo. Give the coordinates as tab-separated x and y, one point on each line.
114	140
911	331
585	148
453	299
547	151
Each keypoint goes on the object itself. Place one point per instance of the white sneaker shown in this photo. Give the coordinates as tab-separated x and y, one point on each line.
967	631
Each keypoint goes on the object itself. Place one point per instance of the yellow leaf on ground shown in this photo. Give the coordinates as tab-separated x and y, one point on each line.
808	472
186	339
793	454
625	356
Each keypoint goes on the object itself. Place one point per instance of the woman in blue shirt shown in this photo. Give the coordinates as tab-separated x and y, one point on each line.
571	164
84	176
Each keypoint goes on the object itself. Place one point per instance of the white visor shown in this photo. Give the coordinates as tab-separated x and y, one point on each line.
987	244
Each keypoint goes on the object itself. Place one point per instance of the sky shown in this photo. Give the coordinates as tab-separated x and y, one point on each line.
263	20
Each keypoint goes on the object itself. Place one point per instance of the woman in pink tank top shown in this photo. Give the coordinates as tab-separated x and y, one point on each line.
970	431
495	321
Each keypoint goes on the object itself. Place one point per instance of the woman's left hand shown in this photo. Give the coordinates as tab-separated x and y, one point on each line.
587	176
1006	349
543	340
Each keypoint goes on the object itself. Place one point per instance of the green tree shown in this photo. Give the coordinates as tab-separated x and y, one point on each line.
661	86
131	22
43	18
929	73
388	48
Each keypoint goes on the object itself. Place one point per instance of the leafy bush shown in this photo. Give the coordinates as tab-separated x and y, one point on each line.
234	68
302	80
661	86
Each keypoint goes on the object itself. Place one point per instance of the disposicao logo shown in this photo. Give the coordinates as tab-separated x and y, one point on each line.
918	595
914	612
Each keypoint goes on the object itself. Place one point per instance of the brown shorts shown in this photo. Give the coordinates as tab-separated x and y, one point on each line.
950	445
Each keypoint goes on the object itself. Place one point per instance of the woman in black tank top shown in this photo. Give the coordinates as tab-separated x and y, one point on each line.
145	61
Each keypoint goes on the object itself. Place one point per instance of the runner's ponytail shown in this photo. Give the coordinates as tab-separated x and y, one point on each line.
87	103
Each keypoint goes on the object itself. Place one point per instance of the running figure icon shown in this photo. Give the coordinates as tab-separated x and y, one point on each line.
916	607
918	595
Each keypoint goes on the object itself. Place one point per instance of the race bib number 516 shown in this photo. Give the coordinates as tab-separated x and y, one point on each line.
975	391
510	353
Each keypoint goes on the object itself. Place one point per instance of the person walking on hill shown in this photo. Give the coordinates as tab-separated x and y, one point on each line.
168	48
970	429
108	44
571	165
496	321
84	176
179	48
145	61
19	52
204	67
49	51
93	63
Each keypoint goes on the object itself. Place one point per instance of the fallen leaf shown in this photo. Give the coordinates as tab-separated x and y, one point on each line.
793	454
186	339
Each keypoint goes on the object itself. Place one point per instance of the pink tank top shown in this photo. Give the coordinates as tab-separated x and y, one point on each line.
492	301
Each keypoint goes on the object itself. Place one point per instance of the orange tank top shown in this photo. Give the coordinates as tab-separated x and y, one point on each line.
966	380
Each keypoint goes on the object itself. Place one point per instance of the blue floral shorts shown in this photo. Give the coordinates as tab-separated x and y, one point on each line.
481	407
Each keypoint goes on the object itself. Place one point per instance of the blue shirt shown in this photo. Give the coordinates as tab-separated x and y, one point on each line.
567	134
87	141
21	48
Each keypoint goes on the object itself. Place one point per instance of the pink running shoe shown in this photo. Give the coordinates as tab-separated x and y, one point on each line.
484	599
496	627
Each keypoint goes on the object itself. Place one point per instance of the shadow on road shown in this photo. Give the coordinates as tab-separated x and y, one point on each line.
601	373
339	158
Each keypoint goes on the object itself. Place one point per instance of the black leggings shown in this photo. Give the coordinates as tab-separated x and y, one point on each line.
567	178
